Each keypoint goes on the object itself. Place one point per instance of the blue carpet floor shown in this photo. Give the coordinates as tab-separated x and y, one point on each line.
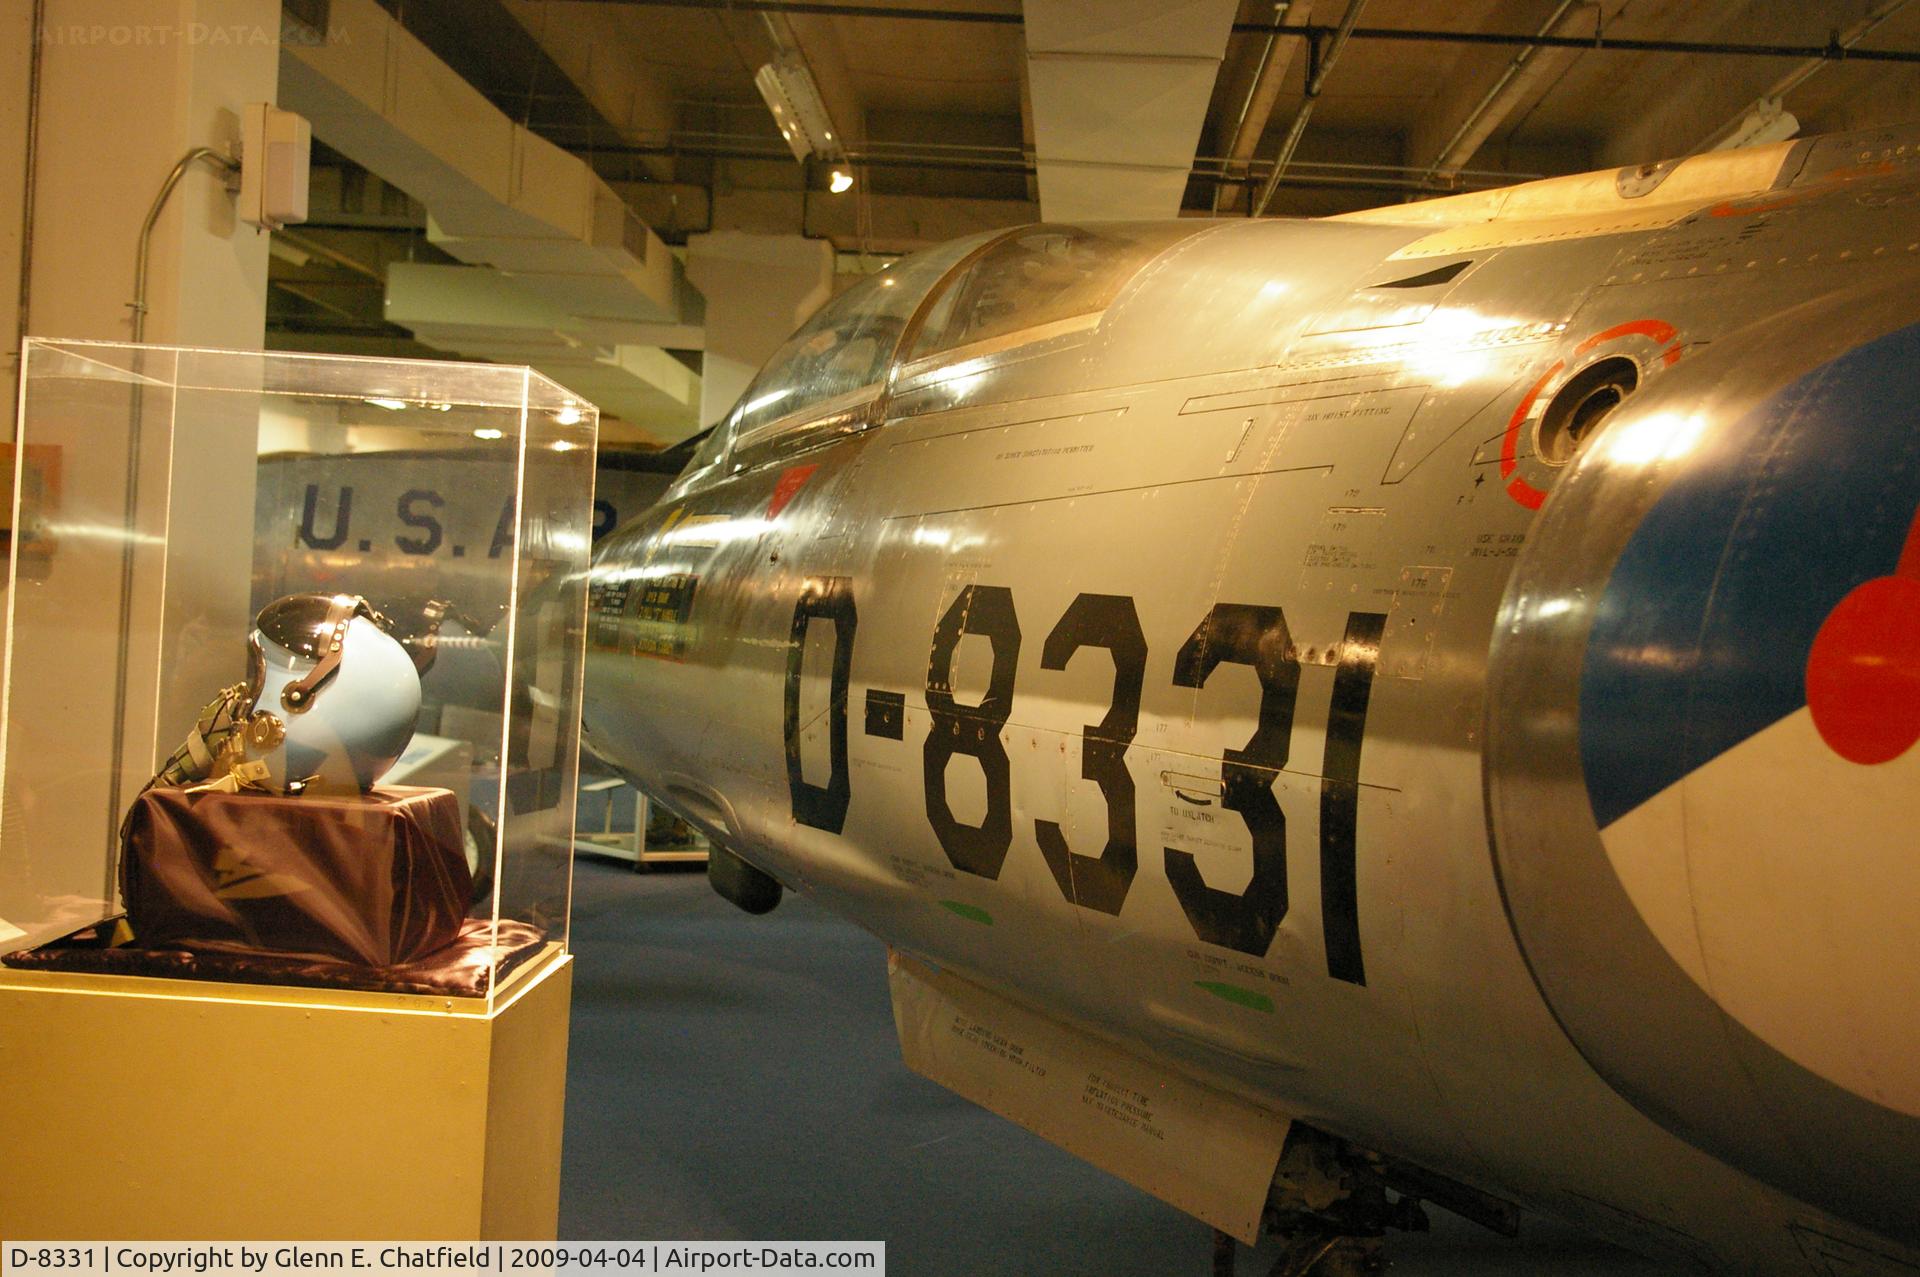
733	1077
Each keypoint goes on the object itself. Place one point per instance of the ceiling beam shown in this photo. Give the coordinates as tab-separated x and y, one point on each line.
592	48
1449	136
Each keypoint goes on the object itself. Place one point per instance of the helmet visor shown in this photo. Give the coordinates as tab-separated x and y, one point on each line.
304	624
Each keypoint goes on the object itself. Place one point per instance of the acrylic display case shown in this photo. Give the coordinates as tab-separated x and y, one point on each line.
164	495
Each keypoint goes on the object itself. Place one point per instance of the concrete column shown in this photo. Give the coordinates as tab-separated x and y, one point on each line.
127	87
16	59
759	288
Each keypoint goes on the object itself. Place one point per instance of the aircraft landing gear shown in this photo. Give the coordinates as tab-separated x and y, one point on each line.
1332	1204
1310	1254
1317	1255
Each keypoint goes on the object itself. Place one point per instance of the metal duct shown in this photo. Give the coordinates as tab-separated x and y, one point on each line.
485	316
1120	90
496	195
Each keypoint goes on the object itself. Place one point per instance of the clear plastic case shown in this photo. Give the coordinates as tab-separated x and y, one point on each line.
164	495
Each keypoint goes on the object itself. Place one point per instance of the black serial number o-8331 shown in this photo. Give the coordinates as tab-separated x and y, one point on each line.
1230	633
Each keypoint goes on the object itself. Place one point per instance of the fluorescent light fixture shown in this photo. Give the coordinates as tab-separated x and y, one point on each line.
840	181
488	432
797	108
391	405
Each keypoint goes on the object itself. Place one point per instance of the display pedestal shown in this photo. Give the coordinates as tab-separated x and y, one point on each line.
174	1109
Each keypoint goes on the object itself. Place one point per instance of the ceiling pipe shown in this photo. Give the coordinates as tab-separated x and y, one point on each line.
1842	46
1316	80
988	17
1205	168
1833	51
1506	93
143	256
1257	109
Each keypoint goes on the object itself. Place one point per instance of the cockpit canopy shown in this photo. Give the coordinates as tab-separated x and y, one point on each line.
983	294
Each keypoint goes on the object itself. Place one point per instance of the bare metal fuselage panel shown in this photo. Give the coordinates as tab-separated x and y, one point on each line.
1233	643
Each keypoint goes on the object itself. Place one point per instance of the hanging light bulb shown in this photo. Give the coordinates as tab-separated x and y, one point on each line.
840	181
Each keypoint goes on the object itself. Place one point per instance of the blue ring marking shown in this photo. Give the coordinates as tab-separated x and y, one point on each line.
1701	636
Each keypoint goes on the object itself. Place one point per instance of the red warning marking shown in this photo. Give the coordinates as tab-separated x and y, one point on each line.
791	480
1773	204
1658	329
1727	208
1526	494
1510	446
1863	672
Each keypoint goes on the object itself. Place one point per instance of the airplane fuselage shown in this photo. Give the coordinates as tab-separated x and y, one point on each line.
1297	670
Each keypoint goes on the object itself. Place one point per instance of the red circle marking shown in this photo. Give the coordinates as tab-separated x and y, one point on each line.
1659	331
1526	494
1510	445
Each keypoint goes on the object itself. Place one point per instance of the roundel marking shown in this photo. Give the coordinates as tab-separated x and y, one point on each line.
1723	931
1863	671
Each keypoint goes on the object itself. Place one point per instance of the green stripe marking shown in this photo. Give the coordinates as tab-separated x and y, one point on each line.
1238	996
969	912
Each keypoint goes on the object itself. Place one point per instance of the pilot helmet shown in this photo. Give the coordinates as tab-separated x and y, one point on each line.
334	696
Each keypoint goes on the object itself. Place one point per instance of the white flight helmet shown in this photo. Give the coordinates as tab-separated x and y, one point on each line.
344	692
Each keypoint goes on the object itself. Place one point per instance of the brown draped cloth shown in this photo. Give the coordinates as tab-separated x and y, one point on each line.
358	891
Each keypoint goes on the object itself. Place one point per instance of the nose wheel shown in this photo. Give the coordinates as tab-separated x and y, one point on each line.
1313	1255
1332	1204
1310	1254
